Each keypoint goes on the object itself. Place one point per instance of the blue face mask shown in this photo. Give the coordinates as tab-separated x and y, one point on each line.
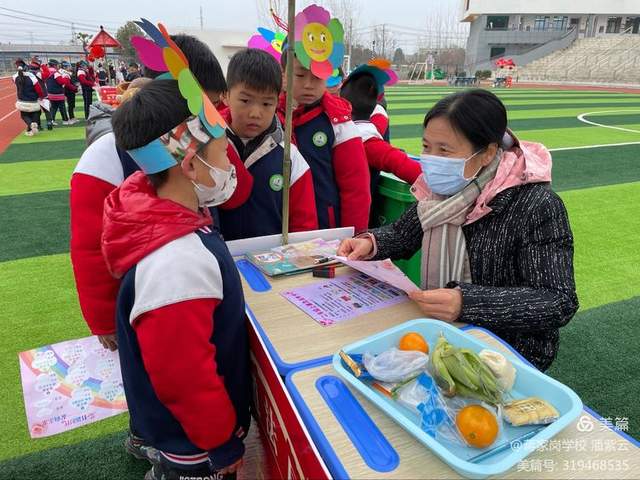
445	175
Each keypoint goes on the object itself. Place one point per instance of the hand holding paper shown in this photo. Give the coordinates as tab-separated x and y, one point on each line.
383	270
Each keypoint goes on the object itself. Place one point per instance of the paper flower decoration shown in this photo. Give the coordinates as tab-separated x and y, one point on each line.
161	54
380	70
319	41
270	42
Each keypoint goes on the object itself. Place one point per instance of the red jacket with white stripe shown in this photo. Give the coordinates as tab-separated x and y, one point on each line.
100	170
384	157
330	143
380	118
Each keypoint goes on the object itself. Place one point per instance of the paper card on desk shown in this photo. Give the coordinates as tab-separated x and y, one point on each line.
294	257
383	270
344	297
70	384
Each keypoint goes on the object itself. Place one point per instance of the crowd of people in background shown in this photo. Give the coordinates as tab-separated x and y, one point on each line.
48	88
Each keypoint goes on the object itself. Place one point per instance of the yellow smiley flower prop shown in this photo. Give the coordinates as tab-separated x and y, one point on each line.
319	42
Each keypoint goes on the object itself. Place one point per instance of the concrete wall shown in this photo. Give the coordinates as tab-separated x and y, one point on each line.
473	8
223	43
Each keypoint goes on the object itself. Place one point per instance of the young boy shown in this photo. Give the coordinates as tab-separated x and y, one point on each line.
182	336
331	144
362	90
70	90
101	169
87	82
256	137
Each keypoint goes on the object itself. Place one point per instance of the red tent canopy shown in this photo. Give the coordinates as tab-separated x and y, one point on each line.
104	39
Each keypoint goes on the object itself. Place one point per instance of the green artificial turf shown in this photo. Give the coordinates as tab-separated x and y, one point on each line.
606	229
598	358
39	306
33	177
38	151
34	224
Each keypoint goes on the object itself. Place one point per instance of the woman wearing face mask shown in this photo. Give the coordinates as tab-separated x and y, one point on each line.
497	249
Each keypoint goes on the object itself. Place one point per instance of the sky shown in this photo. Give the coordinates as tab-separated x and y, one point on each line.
227	14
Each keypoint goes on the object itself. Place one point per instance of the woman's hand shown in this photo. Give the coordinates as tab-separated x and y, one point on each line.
355	248
442	304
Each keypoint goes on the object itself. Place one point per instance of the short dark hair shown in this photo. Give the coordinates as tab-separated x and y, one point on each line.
202	62
475	113
362	92
256	69
285	53
154	110
133	64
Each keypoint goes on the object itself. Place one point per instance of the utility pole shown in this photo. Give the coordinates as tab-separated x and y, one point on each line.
201	20
350	43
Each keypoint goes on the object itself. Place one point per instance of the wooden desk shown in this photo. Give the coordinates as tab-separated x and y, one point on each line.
294	339
573	454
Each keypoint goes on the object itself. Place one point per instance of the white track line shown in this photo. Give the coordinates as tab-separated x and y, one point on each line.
8	115
582	119
593	146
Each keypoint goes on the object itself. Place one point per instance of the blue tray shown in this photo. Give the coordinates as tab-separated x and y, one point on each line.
529	382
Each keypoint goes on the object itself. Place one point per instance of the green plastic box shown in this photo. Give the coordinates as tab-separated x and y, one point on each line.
393	198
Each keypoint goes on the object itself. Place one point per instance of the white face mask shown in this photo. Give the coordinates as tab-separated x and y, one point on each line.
226	183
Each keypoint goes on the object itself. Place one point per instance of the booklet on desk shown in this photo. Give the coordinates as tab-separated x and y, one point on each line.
295	257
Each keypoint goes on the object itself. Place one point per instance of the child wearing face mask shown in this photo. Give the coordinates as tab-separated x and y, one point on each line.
180	318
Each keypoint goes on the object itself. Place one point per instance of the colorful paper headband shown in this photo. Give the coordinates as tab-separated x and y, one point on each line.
270	42
181	143
163	55
319	44
380	70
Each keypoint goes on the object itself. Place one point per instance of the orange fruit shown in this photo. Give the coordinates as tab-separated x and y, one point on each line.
413	341
477	425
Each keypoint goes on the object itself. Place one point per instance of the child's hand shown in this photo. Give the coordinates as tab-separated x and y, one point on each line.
231	468
110	342
355	248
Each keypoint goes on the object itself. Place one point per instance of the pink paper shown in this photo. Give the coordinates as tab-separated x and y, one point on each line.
344	297
70	384
383	270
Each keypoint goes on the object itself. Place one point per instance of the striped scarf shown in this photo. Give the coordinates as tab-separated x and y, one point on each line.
444	248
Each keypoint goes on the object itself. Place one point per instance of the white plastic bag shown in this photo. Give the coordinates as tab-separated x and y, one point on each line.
395	365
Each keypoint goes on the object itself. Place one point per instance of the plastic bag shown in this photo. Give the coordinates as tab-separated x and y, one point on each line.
437	413
395	365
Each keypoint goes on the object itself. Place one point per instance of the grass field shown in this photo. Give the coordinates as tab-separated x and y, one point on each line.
600	186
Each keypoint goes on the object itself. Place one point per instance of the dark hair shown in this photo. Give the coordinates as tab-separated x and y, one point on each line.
362	92
202	62
256	69
153	111
133	64
476	113
285	53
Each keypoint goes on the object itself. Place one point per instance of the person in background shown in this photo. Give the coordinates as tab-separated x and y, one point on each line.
45	106
87	82
28	92
57	83
133	73
497	247
112	73
101	75
70	89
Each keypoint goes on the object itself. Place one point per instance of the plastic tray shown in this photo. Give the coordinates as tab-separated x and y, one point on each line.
529	382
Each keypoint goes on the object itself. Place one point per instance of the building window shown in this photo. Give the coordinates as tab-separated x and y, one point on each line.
497	52
541	23
497	22
560	23
614	24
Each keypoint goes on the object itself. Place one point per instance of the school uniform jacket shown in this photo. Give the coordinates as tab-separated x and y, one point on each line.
57	82
101	169
330	143
261	214
69	87
31	90
182	337
380	118
85	78
383	157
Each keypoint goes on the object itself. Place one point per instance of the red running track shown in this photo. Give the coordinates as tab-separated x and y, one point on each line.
11	124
